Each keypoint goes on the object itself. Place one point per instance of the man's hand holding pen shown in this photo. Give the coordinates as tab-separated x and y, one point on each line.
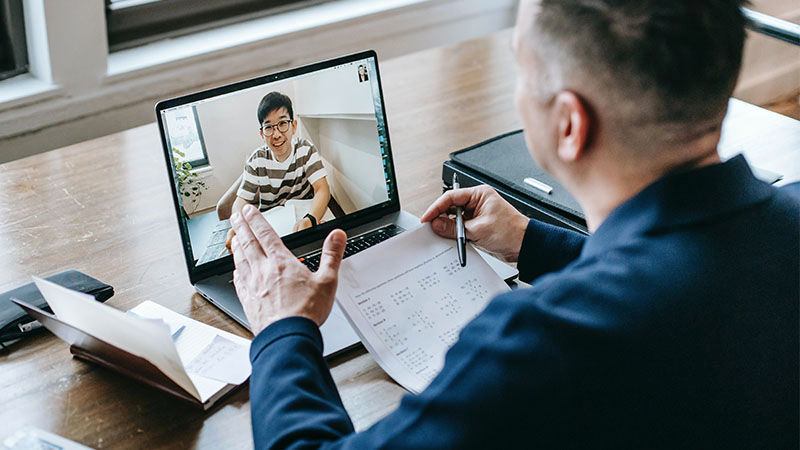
490	222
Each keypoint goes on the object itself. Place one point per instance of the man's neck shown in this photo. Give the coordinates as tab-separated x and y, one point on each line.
601	191
283	157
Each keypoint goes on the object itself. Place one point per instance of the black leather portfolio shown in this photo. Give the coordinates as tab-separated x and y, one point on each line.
504	163
12	316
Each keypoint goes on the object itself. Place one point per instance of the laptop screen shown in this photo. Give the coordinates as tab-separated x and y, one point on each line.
308	147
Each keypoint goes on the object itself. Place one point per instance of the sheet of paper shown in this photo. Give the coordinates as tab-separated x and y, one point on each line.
195	337
174	328
148	339
408	298
222	360
282	218
303	207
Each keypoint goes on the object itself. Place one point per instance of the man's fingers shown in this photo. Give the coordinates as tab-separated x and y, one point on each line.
444	227
245	241
456	197
263	232
239	259
332	253
240	285
229	240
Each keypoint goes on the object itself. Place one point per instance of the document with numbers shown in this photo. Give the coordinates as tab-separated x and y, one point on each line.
408	298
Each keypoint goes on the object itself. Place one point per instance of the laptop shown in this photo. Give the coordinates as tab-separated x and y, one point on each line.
234	142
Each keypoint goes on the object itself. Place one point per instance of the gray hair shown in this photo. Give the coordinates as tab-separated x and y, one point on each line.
654	67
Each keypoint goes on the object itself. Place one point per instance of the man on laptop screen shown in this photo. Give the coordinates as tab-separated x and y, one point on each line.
285	167
318	155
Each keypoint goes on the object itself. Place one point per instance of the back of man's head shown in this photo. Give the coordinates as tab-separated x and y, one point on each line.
658	71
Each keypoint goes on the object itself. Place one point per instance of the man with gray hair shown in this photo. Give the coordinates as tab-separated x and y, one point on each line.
674	325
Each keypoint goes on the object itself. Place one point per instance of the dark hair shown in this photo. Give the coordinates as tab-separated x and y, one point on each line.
272	101
680	58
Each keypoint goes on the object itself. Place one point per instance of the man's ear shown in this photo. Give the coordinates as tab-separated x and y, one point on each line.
294	126
574	123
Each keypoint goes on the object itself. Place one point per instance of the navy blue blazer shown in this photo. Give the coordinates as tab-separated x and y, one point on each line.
675	325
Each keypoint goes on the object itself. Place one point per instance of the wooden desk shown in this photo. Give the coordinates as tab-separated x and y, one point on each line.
104	207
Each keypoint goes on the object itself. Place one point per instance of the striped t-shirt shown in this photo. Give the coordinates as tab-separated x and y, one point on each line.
269	183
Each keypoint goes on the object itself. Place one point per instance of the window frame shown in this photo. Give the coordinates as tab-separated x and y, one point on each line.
131	23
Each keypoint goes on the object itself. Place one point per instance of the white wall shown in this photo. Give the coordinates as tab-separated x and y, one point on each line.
338	114
352	158
338	92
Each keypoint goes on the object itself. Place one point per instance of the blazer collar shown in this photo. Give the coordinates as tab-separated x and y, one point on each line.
681	199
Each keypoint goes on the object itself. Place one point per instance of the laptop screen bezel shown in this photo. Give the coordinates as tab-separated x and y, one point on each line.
294	240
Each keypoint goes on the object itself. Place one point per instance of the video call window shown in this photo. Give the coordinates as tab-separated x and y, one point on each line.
304	150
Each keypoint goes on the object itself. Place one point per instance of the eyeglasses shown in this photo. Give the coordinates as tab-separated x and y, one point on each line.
282	126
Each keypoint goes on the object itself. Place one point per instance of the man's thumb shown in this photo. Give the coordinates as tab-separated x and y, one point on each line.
332	253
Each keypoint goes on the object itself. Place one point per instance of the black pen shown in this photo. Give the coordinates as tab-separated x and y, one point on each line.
461	232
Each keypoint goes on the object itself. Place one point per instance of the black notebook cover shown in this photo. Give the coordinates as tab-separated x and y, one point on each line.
12	315
505	159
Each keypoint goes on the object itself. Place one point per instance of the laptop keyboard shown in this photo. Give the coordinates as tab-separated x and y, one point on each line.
355	244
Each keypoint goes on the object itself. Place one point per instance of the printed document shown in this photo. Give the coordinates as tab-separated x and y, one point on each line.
408	298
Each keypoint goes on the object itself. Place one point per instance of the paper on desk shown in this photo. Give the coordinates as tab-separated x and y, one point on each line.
174	328
148	339
303	207
408	298
281	218
195	337
222	360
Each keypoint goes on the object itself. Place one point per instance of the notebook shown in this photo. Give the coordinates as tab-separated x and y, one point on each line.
193	361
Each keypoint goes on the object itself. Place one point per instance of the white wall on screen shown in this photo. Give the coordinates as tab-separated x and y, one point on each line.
352	157
338	92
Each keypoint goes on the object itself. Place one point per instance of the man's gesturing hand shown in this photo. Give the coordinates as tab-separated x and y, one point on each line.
491	222
271	283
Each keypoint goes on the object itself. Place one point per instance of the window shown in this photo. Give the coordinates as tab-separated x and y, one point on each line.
185	136
13	51
136	22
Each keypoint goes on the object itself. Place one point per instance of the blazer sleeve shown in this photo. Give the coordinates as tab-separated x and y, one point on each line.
294	402
547	248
